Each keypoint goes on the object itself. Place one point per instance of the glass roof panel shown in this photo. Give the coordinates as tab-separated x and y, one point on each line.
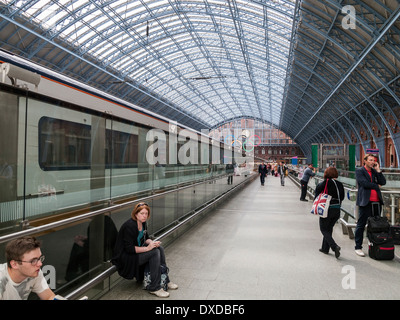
211	57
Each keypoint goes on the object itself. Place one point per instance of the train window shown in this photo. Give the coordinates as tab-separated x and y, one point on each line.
66	145
63	145
121	149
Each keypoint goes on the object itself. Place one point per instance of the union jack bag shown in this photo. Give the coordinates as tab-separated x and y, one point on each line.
321	203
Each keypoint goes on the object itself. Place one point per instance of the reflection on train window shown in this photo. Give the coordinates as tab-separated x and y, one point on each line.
66	145
63	144
123	153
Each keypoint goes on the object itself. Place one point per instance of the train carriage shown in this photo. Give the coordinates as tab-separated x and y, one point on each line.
70	146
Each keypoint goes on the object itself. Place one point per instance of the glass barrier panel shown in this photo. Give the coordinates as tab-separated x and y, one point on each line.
184	201
200	195
163	212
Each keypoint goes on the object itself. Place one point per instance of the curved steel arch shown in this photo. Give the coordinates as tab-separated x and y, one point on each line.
330	124
377	63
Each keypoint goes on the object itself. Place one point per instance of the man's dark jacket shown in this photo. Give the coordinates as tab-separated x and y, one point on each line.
365	185
262	169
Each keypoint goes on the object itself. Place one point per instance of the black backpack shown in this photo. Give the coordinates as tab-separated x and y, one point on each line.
378	224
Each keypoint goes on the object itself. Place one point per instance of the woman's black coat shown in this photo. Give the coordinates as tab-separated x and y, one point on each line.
331	190
125	257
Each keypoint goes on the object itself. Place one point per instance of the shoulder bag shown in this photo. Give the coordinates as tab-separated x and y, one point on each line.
321	203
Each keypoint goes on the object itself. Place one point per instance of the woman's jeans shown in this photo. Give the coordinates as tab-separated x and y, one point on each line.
326	226
155	258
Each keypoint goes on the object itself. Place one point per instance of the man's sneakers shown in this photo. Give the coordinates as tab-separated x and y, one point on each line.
360	253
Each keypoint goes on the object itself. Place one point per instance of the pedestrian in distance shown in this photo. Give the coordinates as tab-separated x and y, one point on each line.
229	169
307	174
262	170
281	170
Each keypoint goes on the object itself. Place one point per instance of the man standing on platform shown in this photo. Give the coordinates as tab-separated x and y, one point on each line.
307	174
369	178
262	170
282	170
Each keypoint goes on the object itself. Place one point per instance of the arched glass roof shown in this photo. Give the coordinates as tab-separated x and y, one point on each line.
215	59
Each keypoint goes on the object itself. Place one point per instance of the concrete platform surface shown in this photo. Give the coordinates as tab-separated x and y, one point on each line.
263	244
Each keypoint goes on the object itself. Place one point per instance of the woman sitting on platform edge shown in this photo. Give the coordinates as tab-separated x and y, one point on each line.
133	250
336	190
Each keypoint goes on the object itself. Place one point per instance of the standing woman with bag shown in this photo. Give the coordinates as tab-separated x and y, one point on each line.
133	250
336	190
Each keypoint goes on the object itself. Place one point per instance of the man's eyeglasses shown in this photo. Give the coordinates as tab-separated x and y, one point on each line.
34	261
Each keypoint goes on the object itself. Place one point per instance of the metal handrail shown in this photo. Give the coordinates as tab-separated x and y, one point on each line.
347	227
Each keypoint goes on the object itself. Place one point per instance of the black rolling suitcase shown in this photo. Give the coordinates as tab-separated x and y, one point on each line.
381	244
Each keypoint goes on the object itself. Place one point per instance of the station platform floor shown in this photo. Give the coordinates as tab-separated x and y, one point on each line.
264	244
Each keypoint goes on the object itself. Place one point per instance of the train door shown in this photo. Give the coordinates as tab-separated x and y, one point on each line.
8	146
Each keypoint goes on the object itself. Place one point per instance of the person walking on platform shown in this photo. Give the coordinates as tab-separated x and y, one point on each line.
281	170
336	190
134	249
369	178
229	170
307	174
262	170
